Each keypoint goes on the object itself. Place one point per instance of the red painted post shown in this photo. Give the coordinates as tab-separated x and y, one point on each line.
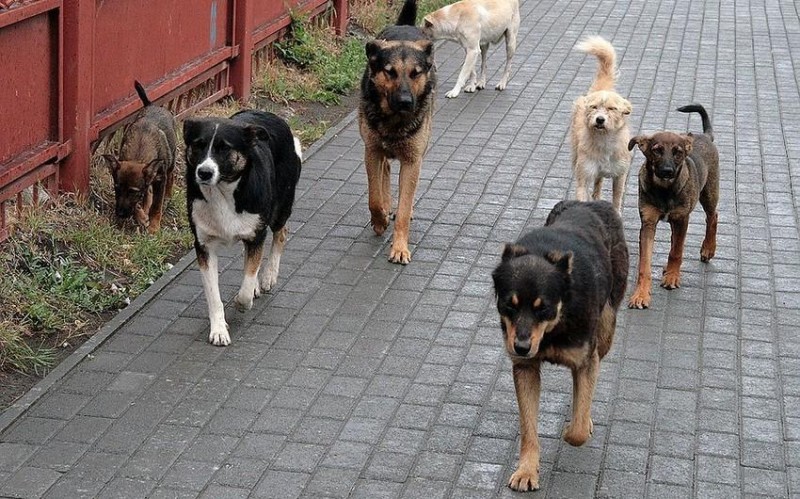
78	84
341	15
242	65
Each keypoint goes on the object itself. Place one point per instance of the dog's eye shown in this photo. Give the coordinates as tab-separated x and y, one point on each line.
593	107
612	109
413	74
390	72
677	151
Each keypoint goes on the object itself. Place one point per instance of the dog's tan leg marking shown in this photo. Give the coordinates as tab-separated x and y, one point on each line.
386	188
708	200
584	378
605	330
471	58
527	383
409	176
270	277
618	186
250	288
157	206
377	178
641	295
511	48
672	272
598	188
218	334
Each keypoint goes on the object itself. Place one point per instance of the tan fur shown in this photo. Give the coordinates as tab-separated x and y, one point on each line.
475	24
599	152
528	384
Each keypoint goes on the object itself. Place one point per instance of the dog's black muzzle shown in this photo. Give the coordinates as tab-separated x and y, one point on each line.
403	101
204	175
666	171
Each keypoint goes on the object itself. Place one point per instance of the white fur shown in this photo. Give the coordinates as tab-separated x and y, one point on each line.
215	217
216	313
298	149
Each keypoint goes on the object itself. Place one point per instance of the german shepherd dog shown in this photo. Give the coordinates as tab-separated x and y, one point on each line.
395	114
144	172
241	175
558	290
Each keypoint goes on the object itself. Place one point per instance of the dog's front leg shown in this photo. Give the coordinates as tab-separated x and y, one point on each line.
466	70
156	206
409	176
584	379
672	272
511	48
250	287
481	84
377	181
527	383
641	295
207	260
618	185
273	264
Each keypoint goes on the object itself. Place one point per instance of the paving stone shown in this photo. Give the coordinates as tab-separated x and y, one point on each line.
29	482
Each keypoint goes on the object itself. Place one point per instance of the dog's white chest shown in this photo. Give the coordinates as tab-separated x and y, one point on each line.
215	218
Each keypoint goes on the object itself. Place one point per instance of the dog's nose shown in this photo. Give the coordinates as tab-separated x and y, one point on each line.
406	101
600	120
522	348
205	174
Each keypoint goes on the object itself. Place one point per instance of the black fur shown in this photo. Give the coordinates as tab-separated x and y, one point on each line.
579	258
142	94
698	108
267	181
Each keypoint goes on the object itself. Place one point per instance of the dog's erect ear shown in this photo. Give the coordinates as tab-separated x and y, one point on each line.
151	169
112	163
513	251
427	47
373	50
688	143
639	140
254	133
561	259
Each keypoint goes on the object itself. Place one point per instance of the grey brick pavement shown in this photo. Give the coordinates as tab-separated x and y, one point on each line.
364	379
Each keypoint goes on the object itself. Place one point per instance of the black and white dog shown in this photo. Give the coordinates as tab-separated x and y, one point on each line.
241	175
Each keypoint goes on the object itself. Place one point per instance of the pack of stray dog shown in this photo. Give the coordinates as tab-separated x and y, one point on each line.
144	170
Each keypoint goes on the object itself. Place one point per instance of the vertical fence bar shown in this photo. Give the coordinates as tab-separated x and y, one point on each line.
242	65
341	15
78	91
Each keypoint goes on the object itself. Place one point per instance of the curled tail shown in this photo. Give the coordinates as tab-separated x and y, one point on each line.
697	108
408	14
142	94
606	75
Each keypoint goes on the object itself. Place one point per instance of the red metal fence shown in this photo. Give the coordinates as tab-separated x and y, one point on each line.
67	69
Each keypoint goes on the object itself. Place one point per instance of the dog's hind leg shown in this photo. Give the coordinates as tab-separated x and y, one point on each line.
250	287
709	203
466	70
511	48
207	261
481	84
672	272
584	379
157	206
527	383
274	263
598	188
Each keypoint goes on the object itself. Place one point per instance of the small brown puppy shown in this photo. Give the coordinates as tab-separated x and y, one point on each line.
145	169
678	171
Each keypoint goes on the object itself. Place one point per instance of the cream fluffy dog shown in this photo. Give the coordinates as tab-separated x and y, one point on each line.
599	129
475	24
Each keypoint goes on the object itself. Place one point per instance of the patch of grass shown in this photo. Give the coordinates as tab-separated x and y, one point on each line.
374	15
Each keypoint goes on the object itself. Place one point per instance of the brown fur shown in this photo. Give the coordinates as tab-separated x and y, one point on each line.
144	170
673	199
600	150
395	115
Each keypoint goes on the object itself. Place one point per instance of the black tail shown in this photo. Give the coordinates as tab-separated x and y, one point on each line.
408	14
697	108
142	95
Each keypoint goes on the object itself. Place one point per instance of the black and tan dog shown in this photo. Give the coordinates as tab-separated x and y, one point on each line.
558	290
144	172
678	171
241	175
395	114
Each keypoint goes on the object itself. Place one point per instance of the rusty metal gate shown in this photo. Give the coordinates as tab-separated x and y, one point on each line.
67	69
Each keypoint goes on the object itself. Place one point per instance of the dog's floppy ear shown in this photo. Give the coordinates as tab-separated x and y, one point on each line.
254	133
561	259
513	251
190	129
112	163
639	140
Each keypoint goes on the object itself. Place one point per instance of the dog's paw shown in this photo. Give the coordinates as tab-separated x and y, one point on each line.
269	280
576	435
500	86
470	88
524	479
244	301
707	252
480	85
639	299
671	280
400	255
379	224
219	335
453	93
